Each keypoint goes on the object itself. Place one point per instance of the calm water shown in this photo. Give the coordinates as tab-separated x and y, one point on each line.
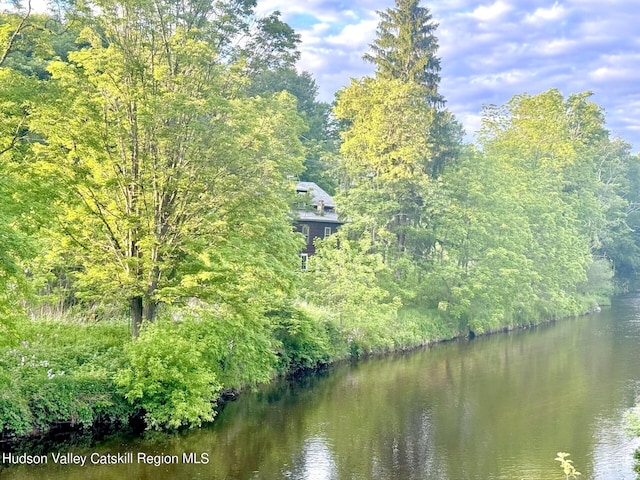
498	407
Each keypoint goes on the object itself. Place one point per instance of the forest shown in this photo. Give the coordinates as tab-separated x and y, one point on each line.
149	264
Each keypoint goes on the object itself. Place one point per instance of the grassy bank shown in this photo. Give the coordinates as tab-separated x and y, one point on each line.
84	374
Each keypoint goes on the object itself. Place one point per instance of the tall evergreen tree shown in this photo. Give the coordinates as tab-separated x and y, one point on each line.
405	47
399	137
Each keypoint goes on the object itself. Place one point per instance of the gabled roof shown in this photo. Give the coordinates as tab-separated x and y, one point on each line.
317	194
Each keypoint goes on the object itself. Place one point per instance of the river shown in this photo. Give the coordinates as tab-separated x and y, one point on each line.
496	407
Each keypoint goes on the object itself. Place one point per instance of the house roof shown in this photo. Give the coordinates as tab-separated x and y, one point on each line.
313	216
317	194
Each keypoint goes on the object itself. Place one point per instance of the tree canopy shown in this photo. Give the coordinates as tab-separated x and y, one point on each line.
148	158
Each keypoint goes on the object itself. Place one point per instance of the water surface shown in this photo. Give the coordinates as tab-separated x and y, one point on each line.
497	407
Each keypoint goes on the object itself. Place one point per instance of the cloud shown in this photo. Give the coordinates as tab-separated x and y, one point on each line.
554	13
558	46
491	13
357	35
490	50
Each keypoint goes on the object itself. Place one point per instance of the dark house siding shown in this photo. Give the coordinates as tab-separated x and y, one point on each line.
316	230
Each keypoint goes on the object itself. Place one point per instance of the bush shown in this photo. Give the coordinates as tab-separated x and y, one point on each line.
304	338
15	417
168	378
61	373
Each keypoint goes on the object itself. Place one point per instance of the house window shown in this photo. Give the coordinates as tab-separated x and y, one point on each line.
305	232
327	231
304	257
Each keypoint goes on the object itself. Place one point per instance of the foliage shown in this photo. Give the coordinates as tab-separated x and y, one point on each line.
177	367
273	46
168	379
307	338
59	373
343	278
163	160
567	466
405	50
25	194
397	140
385	160
147	159
320	138
405	47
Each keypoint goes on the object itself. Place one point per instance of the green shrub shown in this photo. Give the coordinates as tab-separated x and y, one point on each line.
61	372
304	339
15	416
168	377
238	346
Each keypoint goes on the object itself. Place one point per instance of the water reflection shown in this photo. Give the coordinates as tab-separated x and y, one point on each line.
317	461
612	450
499	407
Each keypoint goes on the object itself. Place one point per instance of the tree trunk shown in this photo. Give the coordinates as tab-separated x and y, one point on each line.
149	310
135	305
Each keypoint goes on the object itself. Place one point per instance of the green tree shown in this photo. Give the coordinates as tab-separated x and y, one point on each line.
320	139
343	277
17	208
553	147
176	183
619	174
405	47
384	159
272	46
397	139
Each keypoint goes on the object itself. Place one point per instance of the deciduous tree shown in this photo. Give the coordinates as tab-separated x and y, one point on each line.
176	183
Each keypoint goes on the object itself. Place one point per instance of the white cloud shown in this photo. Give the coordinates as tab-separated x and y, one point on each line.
513	77
489	13
356	35
557	46
610	74
471	122
554	13
314	35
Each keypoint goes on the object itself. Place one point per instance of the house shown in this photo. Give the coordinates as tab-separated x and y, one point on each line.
316	216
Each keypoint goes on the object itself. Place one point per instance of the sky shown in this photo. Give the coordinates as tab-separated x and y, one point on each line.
490	51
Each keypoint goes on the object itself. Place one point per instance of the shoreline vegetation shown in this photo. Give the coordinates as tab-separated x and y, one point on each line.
149	260
73	394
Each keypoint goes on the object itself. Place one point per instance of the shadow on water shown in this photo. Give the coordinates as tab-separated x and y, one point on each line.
496	407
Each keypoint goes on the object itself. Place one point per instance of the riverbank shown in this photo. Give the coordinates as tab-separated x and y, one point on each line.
500	406
73	376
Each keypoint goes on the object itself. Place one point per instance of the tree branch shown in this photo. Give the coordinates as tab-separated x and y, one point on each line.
14	36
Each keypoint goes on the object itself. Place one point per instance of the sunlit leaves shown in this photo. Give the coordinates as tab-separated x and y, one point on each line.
166	165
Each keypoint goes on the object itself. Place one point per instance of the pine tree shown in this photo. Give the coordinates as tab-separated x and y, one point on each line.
405	48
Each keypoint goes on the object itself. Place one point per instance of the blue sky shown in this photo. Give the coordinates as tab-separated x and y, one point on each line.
491	50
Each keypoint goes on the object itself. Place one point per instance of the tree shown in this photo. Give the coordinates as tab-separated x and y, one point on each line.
273	46
343	278
18	206
384	159
397	140
556	146
176	183
11	27
405	48
320	139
